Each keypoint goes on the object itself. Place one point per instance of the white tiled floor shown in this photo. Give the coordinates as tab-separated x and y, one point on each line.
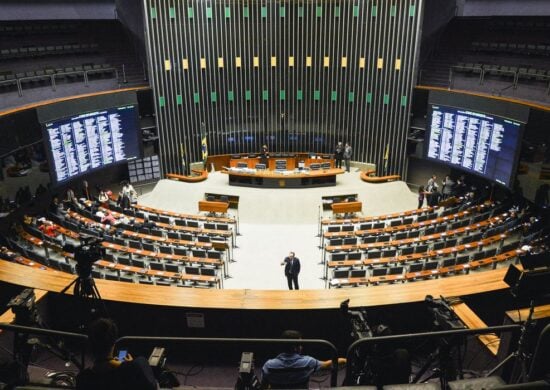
276	221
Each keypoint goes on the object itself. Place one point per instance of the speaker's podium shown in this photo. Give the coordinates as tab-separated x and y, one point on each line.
346	207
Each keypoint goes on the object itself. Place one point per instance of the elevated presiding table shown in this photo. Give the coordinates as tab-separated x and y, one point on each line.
248	177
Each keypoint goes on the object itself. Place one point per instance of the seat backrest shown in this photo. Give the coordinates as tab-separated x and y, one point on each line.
381	271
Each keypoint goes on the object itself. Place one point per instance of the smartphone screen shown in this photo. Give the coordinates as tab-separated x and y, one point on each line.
122	354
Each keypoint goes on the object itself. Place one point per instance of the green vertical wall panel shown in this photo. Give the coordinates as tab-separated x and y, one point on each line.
282	35
319	11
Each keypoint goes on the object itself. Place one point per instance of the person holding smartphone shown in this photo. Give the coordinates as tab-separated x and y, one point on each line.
110	371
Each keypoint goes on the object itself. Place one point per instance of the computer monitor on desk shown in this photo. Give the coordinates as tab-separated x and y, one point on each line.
314	167
242	165
260	167
325	165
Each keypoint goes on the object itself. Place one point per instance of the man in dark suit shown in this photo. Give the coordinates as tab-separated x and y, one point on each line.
292	269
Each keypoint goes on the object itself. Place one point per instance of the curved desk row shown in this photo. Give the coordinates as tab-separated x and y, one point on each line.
290	179
392	294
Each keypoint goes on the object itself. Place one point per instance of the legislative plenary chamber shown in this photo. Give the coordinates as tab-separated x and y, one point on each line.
274	194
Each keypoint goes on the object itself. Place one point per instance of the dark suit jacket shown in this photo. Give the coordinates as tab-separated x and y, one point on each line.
292	268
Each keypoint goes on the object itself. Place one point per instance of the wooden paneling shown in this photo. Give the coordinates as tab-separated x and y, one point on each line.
263	299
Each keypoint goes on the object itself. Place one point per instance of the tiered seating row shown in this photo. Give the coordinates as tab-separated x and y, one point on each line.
131	264
359	277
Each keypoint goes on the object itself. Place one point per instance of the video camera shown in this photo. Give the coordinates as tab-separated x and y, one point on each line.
23	306
358	319
87	253
444	316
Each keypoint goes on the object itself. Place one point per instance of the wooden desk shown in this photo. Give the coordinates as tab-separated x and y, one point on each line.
329	200
491	341
233	200
196	217
213	207
392	294
291	162
273	179
346	207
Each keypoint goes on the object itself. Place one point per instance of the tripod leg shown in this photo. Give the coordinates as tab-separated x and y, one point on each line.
425	367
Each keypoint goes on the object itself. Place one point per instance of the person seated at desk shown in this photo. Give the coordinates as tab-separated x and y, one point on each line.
108	218
48	228
108	372
291	369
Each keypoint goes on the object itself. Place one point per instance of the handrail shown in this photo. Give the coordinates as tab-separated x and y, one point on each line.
228	340
81	338
509	99
52	77
516	75
411	336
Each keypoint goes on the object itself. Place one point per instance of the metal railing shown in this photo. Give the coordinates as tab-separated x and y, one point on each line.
162	341
52	77
426	335
81	339
516	75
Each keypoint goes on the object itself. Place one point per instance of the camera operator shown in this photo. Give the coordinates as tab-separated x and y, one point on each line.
108	372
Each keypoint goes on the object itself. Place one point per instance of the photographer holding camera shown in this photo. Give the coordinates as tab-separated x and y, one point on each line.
108	372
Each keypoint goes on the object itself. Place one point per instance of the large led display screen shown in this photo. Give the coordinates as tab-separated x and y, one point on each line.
86	142
475	142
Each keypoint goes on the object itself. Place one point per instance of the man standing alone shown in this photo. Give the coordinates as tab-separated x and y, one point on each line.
292	269
347	155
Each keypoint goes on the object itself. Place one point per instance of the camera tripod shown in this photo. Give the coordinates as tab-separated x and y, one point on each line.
522	356
447	370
